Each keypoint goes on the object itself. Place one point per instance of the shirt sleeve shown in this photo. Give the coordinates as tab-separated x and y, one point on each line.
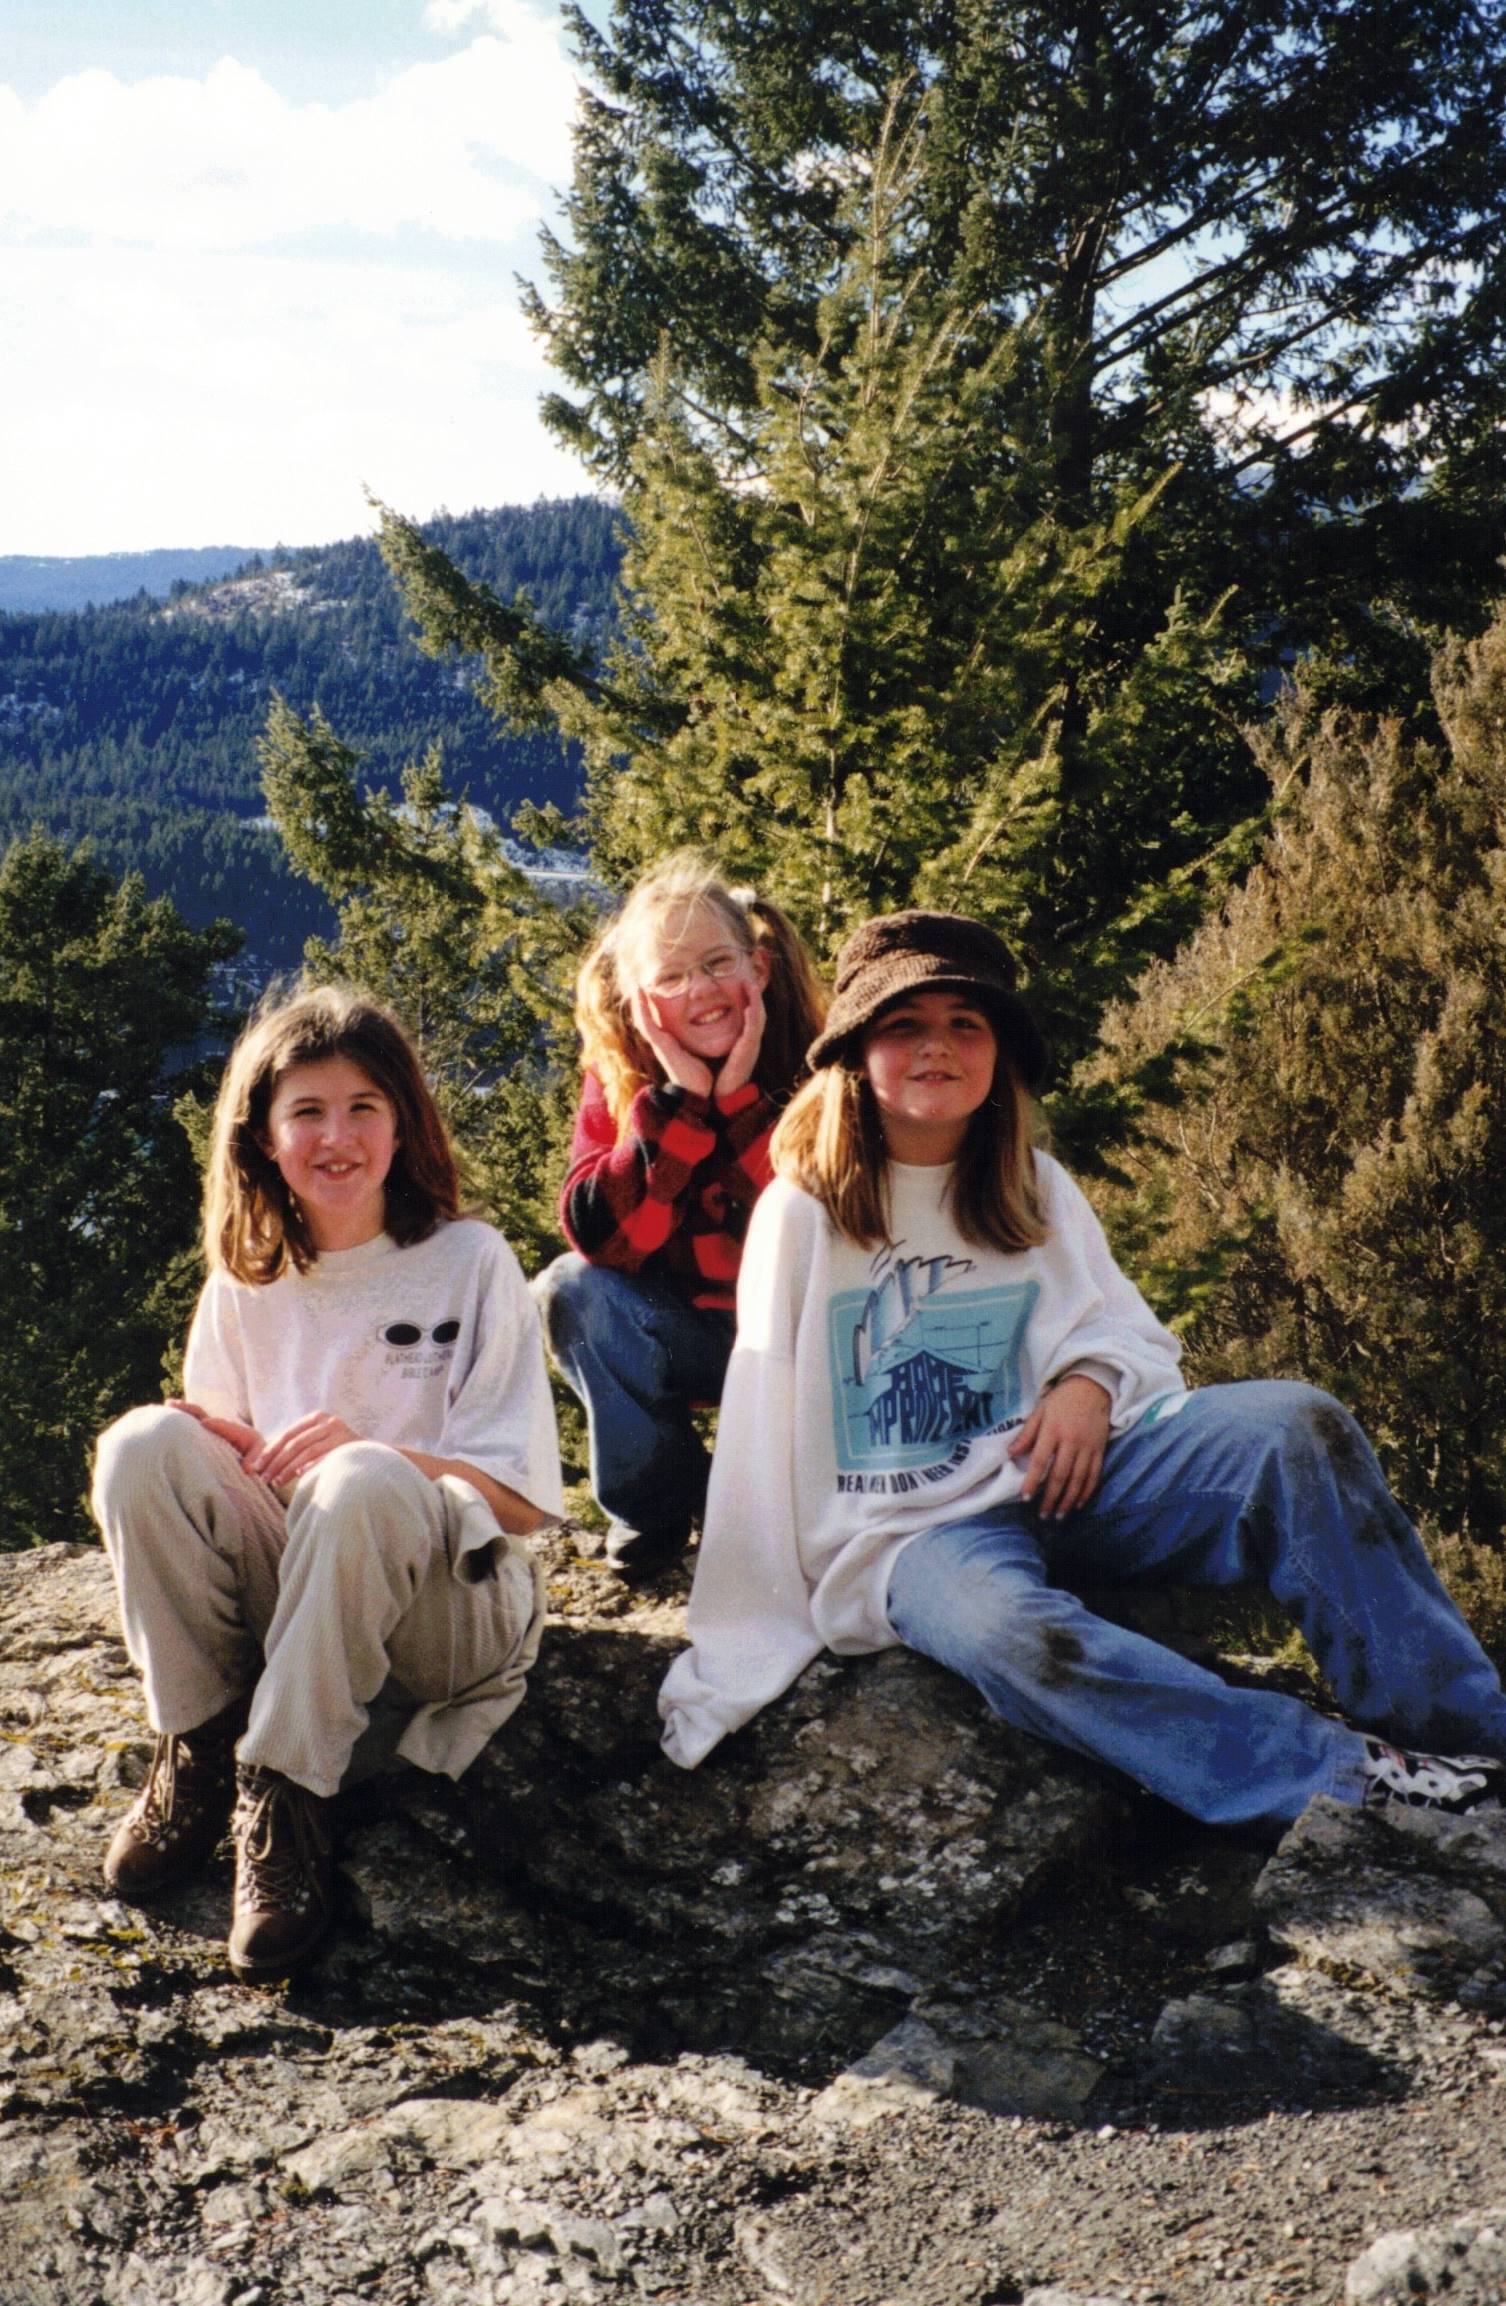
1116	1338
214	1362
749	1622
499	1416
623	1197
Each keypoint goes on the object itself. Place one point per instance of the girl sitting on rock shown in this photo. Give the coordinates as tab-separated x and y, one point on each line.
947	1405
695	1005
339	1501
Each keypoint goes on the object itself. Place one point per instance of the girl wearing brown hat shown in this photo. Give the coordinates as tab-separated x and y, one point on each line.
947	1404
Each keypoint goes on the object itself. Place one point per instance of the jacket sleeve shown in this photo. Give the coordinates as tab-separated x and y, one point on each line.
749	1622
624	1197
1116	1334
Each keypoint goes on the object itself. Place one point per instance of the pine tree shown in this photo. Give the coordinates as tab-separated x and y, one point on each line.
99	1194
1317	1086
434	919
1269	237
998	393
849	680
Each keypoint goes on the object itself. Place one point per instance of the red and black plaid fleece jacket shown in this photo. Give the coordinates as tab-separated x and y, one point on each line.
673	1197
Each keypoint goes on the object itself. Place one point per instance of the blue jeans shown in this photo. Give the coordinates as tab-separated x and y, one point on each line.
1273	1482
639	1356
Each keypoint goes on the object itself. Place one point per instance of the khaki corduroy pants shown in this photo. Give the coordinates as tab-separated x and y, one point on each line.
359	1581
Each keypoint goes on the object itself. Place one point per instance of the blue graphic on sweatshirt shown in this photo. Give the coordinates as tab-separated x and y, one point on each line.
921	1367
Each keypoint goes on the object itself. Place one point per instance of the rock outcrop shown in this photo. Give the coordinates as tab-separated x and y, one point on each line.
885	2002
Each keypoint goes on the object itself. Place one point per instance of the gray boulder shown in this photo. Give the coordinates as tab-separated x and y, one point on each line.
1410	1899
1463	2261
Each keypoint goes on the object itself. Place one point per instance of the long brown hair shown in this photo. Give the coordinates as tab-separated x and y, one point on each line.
658	909
254	1228
830	1142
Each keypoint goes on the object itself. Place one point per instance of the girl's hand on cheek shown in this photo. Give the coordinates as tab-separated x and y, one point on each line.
282	1462
673	1058
1064	1438
737	1066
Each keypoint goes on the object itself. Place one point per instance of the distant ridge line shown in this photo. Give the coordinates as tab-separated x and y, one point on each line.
31	583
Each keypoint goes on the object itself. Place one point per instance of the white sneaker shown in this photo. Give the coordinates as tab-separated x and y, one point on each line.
1457	1783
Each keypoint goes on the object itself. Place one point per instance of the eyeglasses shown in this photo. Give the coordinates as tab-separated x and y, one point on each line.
724	962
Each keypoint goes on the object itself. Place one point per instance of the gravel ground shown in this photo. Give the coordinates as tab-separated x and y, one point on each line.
491	2117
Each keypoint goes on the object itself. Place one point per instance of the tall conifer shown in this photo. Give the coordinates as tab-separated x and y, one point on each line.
997	393
99	1197
1317	1092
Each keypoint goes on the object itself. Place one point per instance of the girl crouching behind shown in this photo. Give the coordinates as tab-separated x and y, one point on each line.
695	1005
337	1504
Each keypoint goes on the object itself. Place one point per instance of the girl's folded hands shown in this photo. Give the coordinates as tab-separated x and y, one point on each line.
281	1461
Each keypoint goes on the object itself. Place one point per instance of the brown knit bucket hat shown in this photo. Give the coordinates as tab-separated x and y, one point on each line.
928	952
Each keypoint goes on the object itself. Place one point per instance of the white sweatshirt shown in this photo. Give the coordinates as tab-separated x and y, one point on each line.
435	1347
872	1394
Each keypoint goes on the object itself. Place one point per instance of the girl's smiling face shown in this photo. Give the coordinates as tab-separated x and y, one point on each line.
332	1134
929	1059
699	983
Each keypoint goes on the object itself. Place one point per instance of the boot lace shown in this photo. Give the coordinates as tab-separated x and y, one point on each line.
279	1845
179	1784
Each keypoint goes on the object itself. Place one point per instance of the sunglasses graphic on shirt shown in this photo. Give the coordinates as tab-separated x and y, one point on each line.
409	1333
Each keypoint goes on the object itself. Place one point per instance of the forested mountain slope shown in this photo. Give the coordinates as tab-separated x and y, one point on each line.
136	725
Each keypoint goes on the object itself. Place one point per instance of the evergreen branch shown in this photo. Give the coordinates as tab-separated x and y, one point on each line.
527	663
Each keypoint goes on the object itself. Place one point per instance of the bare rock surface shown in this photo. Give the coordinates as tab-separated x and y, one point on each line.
1409	1898
885	2006
1464	2261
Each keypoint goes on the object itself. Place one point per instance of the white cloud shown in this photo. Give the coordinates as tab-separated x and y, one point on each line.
510	18
466	147
188	398
223	320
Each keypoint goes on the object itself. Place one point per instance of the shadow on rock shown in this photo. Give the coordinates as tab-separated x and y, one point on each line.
875	1884
862	1842
1284	2040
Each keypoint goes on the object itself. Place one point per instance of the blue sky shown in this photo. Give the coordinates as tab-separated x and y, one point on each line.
256	255
332	49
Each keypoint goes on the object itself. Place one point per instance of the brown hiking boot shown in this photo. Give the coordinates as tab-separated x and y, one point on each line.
181	1811
284	1875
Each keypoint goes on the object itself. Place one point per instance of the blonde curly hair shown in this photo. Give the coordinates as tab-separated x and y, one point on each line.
654	916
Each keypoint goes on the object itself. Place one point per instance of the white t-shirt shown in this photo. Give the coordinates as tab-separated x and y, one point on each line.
872	1394
435	1347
